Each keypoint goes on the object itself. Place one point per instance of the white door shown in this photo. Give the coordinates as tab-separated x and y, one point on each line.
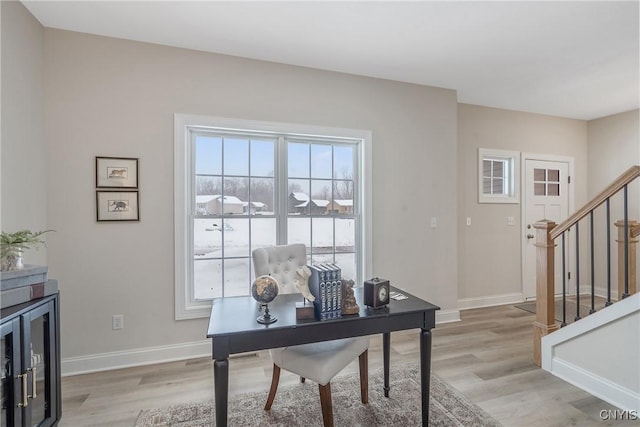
546	196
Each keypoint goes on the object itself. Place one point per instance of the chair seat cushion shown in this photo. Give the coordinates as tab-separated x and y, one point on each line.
319	361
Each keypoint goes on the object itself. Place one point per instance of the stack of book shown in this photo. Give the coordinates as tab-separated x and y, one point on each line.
326	285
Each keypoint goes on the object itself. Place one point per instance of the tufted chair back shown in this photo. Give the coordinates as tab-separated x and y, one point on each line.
281	262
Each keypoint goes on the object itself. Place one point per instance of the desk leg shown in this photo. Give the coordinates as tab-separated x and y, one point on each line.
221	390
386	341
425	372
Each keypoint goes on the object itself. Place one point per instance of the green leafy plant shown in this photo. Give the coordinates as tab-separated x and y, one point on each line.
13	244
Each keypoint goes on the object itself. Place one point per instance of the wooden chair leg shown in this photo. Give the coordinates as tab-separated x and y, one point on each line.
364	376
325	404
275	379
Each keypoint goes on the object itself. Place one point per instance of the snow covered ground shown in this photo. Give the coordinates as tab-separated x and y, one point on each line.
238	275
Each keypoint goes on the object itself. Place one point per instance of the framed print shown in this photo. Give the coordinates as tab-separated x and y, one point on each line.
116	172
117	205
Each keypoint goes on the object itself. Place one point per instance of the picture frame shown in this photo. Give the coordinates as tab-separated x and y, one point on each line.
117	206
116	172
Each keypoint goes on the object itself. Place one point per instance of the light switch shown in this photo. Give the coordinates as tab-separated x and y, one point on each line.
434	222
468	221
511	220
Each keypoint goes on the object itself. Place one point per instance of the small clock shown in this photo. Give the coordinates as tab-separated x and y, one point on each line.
376	292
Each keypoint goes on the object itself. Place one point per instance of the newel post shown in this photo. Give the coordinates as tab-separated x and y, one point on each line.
633	245
545	270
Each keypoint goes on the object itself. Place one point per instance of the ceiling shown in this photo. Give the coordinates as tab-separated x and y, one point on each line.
570	59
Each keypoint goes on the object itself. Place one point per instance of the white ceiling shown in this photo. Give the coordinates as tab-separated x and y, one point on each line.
570	59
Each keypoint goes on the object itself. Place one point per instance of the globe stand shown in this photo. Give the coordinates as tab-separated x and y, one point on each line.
266	318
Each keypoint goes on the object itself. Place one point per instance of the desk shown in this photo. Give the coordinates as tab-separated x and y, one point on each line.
233	329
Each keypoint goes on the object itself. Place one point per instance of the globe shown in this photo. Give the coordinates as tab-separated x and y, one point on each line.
264	289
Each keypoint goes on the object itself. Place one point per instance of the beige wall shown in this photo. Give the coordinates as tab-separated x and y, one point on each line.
24	164
112	97
613	146
489	255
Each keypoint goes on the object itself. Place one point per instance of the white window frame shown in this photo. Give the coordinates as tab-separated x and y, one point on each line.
511	180
186	306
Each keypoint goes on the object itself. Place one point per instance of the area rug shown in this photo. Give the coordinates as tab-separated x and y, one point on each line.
299	405
571	309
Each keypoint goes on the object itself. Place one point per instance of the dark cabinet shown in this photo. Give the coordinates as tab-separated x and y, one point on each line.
30	369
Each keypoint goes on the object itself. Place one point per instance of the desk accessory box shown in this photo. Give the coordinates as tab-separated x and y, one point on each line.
326	286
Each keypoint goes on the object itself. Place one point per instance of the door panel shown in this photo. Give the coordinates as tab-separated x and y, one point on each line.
546	196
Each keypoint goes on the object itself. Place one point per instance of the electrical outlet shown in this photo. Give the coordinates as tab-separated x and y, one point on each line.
511	220
117	322
434	222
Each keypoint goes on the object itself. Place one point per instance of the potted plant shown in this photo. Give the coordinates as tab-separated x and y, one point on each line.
13	245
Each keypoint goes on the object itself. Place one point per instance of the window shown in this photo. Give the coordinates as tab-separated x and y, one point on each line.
497	176
241	185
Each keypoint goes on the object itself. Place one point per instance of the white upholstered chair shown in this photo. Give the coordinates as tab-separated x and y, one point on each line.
321	361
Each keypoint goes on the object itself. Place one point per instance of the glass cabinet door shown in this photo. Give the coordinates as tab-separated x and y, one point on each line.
10	368
39	365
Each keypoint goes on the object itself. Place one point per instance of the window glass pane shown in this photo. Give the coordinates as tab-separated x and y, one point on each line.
343	158
235	234
322	235
539	189
298	159
321	165
236	193
498	168
345	235
236	277
263	232
553	175
486	185
262	158
347	263
299	231
207	238
320	197
498	186
208	155
486	168
206	196
207	279
236	156
262	197
539	174
298	198
322	259
554	189
343	191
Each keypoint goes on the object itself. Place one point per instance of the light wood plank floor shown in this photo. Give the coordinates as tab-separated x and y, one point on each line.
486	356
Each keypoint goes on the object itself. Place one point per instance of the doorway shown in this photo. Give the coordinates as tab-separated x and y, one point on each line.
547	194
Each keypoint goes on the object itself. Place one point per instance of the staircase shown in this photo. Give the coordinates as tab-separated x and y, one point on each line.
600	351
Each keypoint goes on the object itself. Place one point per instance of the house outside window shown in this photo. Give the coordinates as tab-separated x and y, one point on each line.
241	185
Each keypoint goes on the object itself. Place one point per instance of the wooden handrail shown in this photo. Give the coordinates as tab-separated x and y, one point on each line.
632	173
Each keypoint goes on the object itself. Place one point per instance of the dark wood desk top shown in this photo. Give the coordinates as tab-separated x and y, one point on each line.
234	329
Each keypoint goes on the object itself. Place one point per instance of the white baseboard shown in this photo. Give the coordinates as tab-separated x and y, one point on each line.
490	301
602	388
447	316
169	353
136	357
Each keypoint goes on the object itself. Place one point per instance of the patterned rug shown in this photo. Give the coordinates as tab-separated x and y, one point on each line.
299	405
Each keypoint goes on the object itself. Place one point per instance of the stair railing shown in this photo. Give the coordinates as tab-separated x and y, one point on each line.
546	234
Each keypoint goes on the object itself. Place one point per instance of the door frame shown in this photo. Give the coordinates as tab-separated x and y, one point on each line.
523	199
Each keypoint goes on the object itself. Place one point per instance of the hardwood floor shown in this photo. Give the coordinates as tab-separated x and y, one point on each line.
487	357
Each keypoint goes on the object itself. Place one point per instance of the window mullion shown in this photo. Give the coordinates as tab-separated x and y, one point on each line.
282	178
